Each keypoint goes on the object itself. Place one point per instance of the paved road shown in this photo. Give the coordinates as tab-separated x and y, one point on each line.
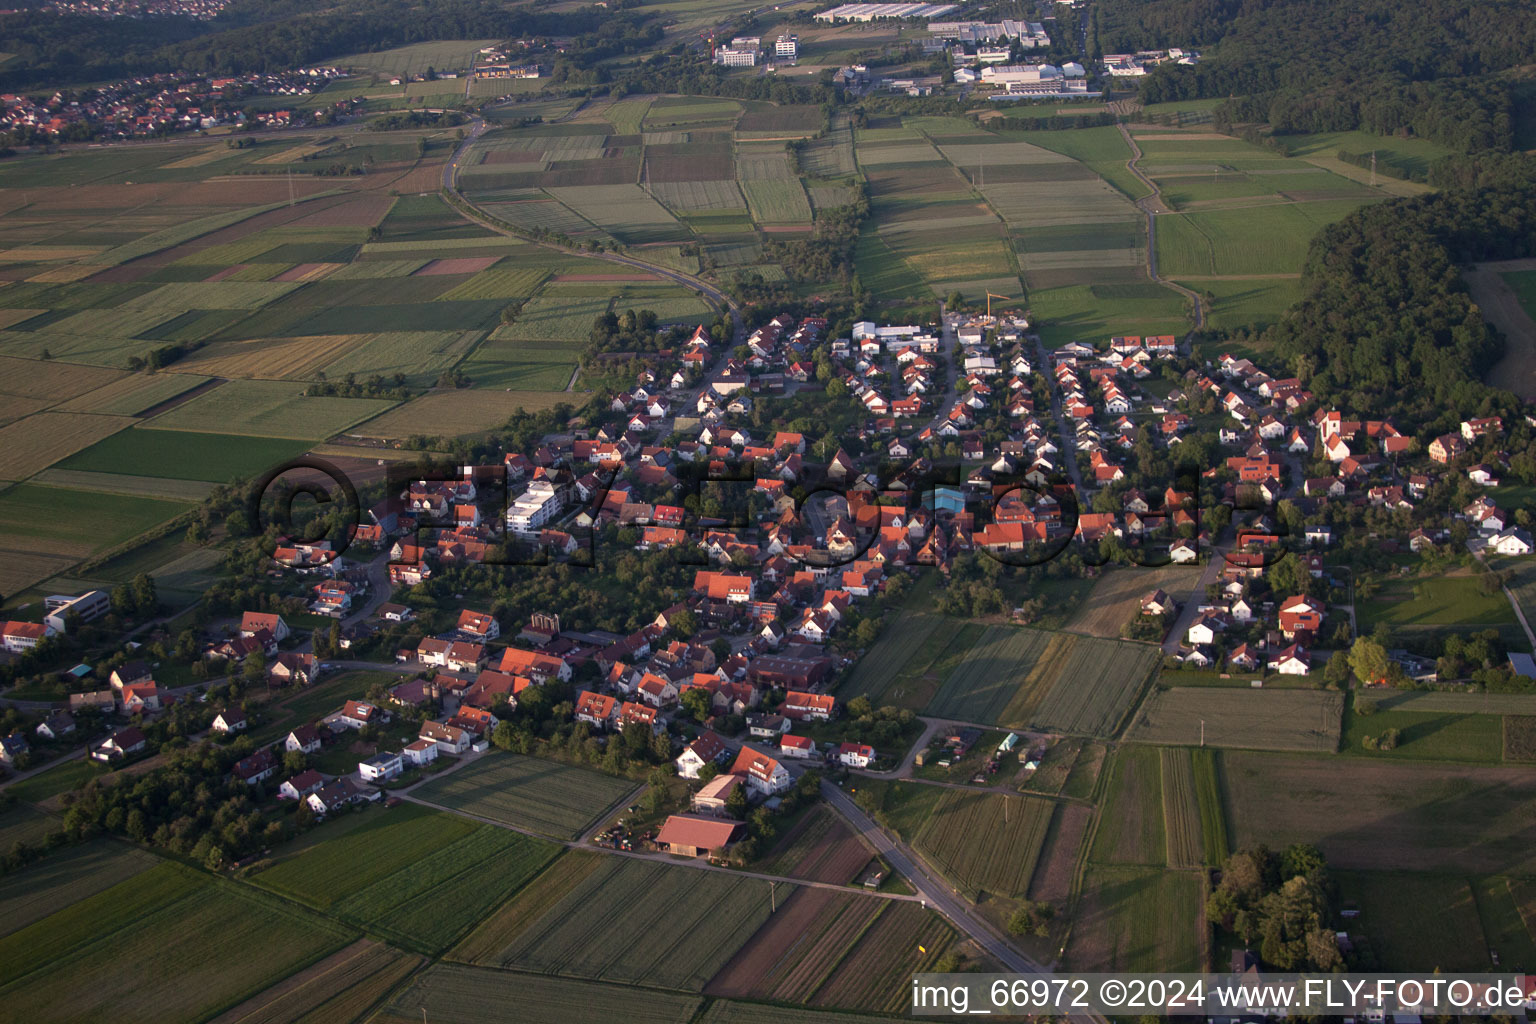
663	858
1192	600
1153	205
1068	454
929	889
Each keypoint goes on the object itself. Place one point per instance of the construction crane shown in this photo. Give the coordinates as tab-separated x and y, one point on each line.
990	297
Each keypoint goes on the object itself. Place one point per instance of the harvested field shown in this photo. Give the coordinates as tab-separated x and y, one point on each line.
893	947
35	442
1116	597
820	848
270	358
1398	815
1181	810
52	381
340	988
1256	719
1131	829
788	958
473	995
1057	865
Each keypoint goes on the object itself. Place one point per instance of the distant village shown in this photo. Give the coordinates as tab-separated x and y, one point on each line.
162	104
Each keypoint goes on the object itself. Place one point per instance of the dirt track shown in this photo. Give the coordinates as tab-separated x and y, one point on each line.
1501	307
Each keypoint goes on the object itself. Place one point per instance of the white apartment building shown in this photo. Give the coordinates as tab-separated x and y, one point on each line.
534	507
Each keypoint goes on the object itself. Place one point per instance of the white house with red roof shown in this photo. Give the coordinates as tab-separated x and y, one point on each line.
252	623
855	755
765	776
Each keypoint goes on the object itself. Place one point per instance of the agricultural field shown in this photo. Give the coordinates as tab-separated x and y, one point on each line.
1455	600
1131	829
64	878
1265	719
1020	678
1393	815
1181	810
456	413
474	995
964	833
1520	738
796	950
1116	598
906	939
184	455
901	640
819	848
427	904
1057	866
340	988
83	962
133	395
1090	313
1213	813
777	201
35	442
1418	922
337	866
728	1011
719	912
987	686
1425	732
540	796
268	409
1136	919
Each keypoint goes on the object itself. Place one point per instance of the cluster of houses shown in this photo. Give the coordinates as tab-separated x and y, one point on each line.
158	104
199	10
1141	63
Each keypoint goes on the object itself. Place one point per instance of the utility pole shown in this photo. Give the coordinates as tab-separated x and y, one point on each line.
1202	732
773	901
1373	168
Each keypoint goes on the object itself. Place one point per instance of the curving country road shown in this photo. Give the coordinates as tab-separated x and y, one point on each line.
1152	205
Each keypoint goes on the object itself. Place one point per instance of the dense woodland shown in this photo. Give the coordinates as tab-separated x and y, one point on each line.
1386	325
1315	65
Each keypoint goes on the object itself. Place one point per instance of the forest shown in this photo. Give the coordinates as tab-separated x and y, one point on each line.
254	36
1313	65
1386	326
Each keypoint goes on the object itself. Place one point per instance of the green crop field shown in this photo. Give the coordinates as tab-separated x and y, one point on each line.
521	366
625	211
183	455
1258	240
904	940
427	904
777	202
473	995
1213	815
59	779
263	408
1136	919
718	912
499	283
552	799
1181	810
65	878
1091	313
1131	828
551	317
898	645
342	988
995	679
86	962
1249	303
335	867
68	521
1266	719
984	842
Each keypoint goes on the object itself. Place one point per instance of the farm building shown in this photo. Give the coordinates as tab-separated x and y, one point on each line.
689	836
